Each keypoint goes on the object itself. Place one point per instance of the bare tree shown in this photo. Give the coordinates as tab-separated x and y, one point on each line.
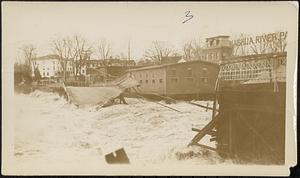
188	50
241	48
267	43
279	43
104	49
158	50
192	49
82	52
29	53
64	48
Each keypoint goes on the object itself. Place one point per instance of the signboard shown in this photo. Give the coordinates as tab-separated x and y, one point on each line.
265	38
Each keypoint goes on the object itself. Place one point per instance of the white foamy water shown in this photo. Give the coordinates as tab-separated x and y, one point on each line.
50	131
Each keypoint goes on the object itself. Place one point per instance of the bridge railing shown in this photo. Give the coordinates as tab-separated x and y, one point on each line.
254	67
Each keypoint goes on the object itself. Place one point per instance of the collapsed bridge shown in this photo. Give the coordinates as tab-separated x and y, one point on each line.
250	122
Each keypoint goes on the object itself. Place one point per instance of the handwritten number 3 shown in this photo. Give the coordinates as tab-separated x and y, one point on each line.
188	15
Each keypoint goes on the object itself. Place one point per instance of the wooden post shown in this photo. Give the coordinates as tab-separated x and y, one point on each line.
230	135
206	107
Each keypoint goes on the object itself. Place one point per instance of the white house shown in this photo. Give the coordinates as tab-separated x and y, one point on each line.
49	66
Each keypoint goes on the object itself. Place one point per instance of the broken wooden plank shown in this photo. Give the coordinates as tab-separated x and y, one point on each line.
205	130
196	130
206	147
211	148
213	139
202	106
158	103
211	133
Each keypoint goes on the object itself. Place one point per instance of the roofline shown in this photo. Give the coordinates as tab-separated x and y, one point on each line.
233	59
174	64
46	57
226	36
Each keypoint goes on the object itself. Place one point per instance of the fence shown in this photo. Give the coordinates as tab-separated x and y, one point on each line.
254	67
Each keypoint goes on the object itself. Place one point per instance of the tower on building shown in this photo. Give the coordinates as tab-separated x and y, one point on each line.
217	49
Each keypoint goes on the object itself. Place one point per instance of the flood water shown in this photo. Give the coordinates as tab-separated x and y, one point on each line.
50	131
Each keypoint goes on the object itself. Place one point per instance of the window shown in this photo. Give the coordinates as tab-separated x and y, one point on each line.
47	73
141	81
204	72
160	80
189	72
141	75
173	72
174	80
153	81
43	74
146	75
204	79
189	79
217	55
146	81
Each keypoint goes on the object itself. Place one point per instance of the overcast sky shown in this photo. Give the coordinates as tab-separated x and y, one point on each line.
141	23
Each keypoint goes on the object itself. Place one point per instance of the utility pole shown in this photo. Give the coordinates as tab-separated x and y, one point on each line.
129	50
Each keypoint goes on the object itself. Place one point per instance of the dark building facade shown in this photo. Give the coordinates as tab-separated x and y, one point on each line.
101	71
249	124
187	78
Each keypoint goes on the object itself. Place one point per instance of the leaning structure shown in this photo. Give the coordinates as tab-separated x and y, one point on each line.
249	123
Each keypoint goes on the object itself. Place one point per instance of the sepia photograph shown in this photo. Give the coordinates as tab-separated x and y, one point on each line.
149	88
